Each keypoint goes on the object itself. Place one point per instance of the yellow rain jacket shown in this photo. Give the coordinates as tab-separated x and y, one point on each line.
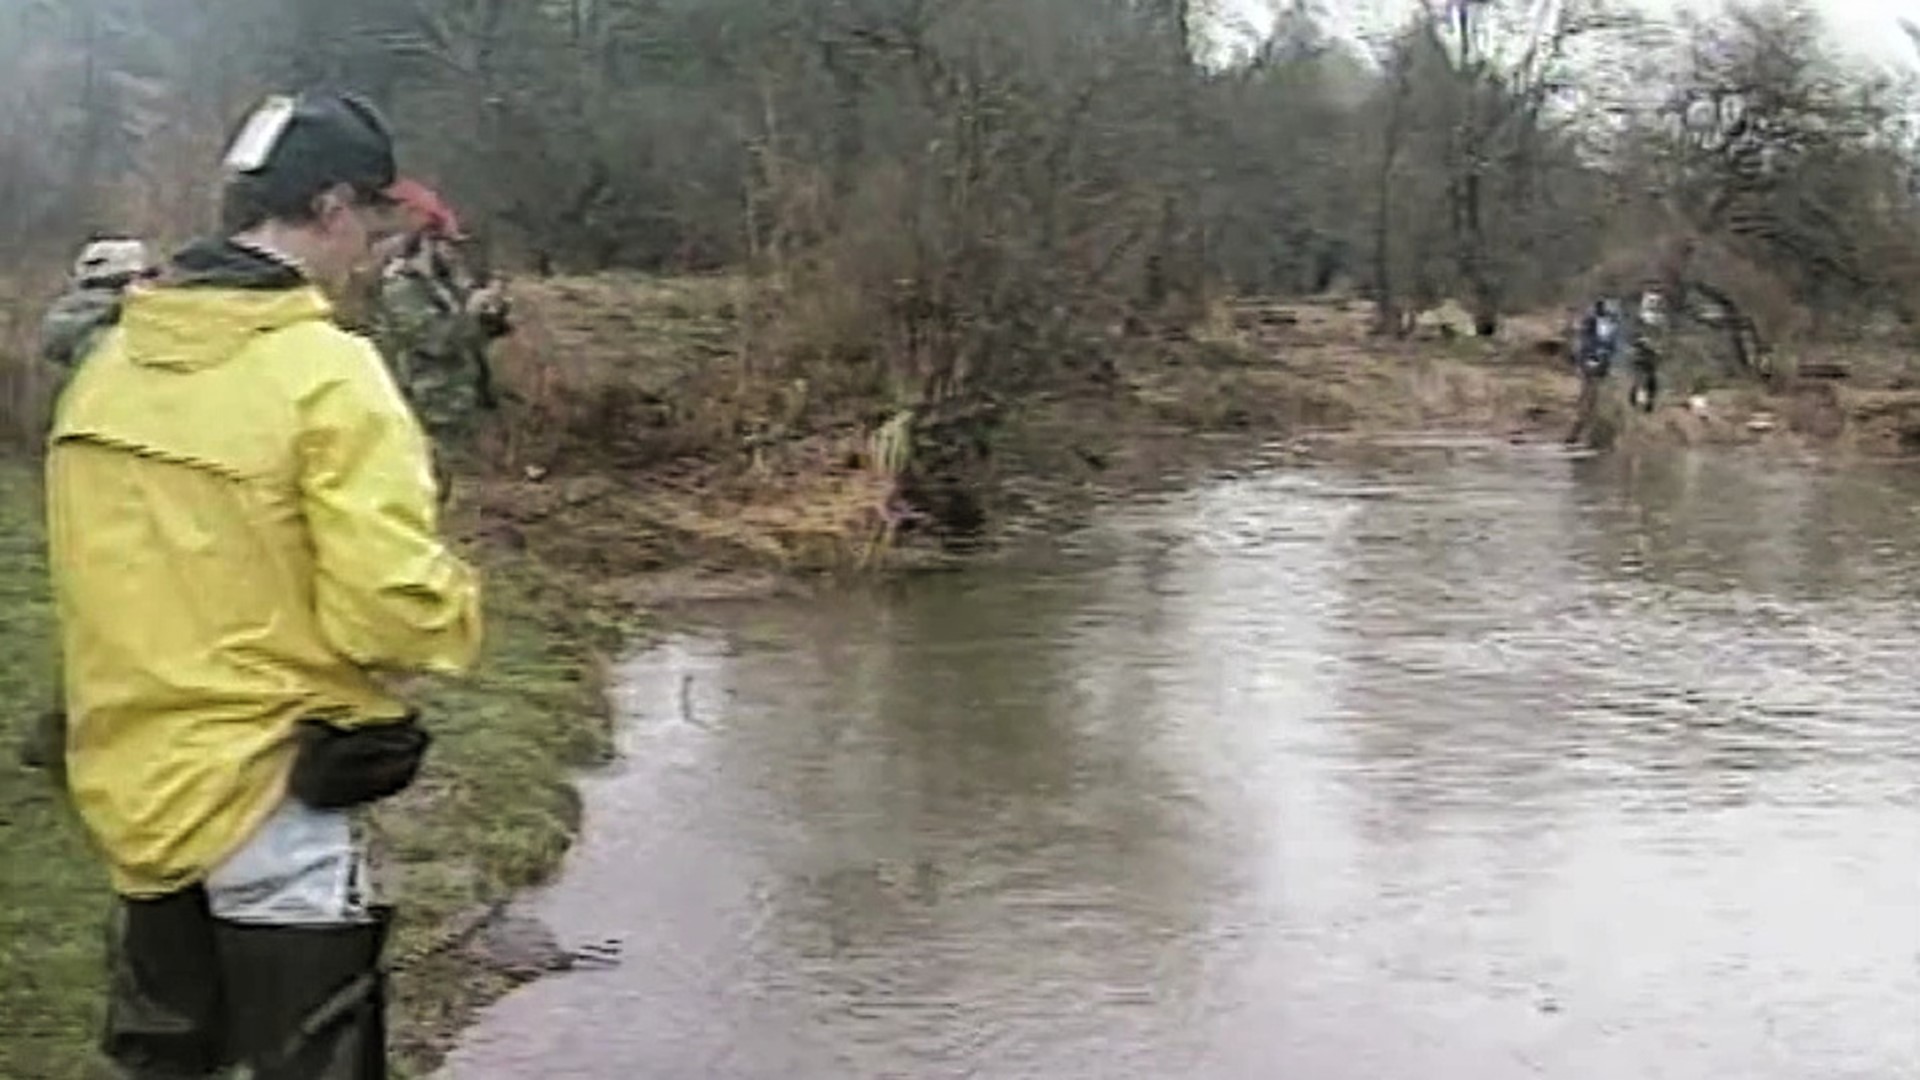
242	529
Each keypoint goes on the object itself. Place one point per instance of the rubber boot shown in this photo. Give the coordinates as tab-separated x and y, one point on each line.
307	1003
166	1016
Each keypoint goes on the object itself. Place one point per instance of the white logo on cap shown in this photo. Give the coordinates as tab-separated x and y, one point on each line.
254	145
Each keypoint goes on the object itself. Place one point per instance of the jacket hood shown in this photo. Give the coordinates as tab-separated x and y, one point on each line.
212	300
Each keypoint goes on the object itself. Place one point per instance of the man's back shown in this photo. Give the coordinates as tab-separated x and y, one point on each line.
231	546
1606	335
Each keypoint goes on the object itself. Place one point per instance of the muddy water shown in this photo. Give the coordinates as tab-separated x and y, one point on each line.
1480	763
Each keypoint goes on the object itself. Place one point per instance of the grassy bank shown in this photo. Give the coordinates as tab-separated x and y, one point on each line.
53	900
493	811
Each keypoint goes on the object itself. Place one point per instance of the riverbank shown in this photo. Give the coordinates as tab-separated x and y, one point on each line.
648	451
698	469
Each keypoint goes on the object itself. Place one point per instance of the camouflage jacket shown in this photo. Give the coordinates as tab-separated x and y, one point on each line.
435	347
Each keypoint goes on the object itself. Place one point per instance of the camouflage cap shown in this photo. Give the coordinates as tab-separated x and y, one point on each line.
110	259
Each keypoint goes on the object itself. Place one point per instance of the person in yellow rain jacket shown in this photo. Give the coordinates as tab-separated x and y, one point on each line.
243	542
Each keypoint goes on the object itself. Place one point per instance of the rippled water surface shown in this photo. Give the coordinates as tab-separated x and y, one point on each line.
1483	763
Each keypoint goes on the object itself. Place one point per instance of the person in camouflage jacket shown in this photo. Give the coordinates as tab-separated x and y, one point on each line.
69	331
434	324
91	303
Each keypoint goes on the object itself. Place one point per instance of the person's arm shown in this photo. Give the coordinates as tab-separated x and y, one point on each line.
488	316
388	592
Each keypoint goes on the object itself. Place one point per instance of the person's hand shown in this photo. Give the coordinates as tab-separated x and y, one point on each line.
490	309
489	297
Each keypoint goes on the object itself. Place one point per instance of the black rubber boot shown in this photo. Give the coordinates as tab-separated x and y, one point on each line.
166	1017
307	1003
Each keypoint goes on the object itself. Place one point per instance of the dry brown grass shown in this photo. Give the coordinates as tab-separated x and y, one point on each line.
1337	373
666	385
621	366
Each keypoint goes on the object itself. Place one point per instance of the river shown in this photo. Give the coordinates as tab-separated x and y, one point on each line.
1476	762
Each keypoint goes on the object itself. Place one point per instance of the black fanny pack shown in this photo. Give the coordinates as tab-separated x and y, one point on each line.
337	768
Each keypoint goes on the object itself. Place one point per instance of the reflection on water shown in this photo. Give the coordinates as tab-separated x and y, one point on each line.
1482	763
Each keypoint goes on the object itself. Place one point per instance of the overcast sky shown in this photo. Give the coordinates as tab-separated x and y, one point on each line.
1869	27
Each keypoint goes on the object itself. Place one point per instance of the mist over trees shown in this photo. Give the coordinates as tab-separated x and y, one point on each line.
973	191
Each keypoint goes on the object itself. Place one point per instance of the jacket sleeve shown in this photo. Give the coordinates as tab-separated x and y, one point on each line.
388	591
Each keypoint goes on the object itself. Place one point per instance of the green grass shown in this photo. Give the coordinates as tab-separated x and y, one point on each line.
53	899
493	811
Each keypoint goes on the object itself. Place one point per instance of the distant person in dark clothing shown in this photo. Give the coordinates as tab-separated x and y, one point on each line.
1645	350
1596	345
1599	341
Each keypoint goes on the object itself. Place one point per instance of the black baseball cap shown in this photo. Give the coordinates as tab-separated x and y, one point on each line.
291	148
